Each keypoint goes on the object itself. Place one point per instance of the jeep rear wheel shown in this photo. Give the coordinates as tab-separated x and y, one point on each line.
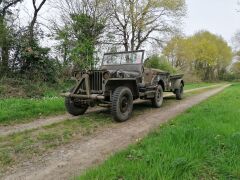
74	108
158	99
122	104
179	92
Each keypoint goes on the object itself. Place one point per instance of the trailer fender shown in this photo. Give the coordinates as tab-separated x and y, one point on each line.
177	84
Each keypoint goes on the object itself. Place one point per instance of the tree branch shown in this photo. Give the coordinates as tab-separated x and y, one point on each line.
34	20
8	6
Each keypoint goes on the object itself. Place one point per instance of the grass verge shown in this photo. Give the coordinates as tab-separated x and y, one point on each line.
202	143
14	110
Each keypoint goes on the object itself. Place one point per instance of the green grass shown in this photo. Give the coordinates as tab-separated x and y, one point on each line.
16	110
198	85
202	143
23	100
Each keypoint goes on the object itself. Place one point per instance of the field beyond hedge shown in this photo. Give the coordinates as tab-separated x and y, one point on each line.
202	143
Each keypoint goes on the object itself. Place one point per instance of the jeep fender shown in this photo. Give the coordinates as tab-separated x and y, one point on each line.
162	83
111	85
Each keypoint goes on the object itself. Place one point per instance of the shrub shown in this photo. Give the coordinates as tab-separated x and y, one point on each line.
25	88
230	76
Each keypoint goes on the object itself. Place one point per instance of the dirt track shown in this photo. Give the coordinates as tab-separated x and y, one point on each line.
74	158
6	130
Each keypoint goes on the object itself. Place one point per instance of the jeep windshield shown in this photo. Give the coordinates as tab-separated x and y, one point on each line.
120	58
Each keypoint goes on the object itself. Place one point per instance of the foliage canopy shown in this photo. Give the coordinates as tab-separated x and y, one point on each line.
205	53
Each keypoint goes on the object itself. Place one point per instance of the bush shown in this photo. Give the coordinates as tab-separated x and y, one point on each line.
160	62
230	76
25	88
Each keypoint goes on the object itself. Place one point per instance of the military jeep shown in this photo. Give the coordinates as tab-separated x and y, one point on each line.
121	79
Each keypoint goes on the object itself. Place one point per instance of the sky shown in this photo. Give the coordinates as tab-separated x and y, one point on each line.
217	16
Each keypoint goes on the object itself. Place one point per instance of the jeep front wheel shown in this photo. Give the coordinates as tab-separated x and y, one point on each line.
158	99
74	108
122	104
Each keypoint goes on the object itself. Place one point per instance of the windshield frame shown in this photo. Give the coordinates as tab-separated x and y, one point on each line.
123	52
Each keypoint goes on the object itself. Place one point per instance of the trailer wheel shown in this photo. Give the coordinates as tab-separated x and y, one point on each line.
179	92
122	104
74	108
158	99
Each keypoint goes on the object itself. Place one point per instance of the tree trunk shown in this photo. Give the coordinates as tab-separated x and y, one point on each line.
34	20
5	58
4	46
31	30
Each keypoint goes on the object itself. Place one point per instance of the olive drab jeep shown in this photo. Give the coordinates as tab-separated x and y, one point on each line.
121	79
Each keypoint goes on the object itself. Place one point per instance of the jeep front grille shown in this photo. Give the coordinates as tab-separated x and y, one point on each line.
95	81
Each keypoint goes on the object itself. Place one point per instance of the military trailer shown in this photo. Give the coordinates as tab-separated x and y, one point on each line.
122	78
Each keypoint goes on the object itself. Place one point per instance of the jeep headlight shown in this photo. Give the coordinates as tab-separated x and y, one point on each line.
106	75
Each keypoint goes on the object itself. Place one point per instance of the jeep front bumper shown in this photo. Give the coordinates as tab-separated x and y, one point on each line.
81	96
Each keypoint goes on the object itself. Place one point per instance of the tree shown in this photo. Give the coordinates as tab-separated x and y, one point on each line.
64	44
84	22
135	22
35	61
86	32
236	68
5	35
204	53
179	52
30	49
212	55
34	19
236	44
236	40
